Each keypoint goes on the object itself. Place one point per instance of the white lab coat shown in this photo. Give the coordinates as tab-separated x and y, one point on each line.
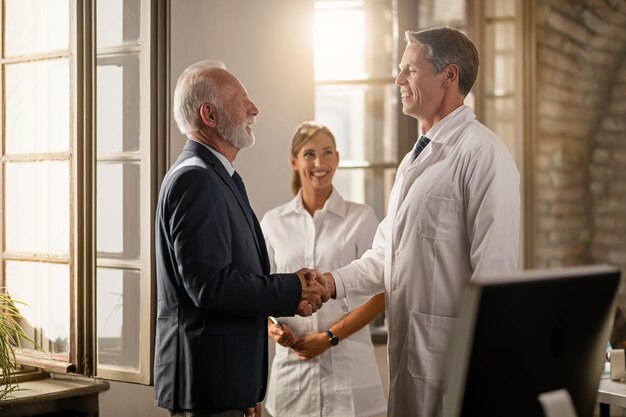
453	214
343	381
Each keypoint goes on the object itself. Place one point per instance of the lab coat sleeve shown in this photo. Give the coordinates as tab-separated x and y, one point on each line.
364	276
493	210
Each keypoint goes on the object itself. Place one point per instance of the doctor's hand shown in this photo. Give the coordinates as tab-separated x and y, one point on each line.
311	345
330	284
314	292
281	334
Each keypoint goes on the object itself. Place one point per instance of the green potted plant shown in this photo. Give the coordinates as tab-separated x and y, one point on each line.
11	336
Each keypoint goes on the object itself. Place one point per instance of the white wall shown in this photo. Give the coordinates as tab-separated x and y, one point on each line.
268	46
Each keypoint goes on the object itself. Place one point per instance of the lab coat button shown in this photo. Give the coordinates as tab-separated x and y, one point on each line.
397	252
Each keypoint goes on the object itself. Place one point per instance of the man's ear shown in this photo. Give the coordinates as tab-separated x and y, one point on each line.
450	75
208	115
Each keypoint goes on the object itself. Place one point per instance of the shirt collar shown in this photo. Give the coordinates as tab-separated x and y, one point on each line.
229	167
460	115
335	204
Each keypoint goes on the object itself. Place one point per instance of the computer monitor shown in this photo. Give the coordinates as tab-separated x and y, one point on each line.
529	333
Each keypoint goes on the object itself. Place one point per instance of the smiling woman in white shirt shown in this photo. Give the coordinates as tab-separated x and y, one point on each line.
324	364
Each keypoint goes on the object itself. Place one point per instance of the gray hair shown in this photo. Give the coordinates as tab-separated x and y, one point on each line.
193	89
444	46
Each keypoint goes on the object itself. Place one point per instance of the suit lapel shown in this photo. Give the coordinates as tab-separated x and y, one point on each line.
253	223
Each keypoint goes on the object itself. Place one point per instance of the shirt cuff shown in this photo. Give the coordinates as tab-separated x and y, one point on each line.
340	287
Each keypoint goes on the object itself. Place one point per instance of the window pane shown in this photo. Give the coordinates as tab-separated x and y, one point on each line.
118	318
441	13
36	26
45	288
118	104
37	207
339	41
118	206
362	119
504	37
370	186
504	70
118	21
500	8
37	91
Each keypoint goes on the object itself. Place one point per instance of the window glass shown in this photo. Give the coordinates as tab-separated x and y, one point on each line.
369	186
355	94
45	290
362	118
118	104
118	318
37	107
37	218
35	26
339	57
118	22
500	8
118	226
441	13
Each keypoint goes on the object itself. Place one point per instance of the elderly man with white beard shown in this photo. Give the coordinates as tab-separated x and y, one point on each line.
214	286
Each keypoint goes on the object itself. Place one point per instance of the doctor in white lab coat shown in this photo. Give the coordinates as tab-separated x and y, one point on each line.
453	214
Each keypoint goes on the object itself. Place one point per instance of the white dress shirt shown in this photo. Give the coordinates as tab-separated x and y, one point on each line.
453	214
344	380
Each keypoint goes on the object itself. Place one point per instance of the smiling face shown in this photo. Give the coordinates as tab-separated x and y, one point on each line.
422	91
316	163
239	113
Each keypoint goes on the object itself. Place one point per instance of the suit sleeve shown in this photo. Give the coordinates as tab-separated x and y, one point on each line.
214	254
265	225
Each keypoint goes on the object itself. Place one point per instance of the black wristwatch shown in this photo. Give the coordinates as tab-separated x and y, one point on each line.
332	339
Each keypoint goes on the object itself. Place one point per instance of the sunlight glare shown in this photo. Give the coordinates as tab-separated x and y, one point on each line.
339	41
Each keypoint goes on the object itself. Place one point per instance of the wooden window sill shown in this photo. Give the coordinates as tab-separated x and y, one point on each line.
50	390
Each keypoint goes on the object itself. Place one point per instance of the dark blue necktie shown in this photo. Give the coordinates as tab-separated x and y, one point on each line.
241	188
419	146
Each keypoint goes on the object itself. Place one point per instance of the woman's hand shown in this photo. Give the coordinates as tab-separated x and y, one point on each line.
253	411
311	345
281	334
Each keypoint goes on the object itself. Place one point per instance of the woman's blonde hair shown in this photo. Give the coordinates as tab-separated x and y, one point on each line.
304	132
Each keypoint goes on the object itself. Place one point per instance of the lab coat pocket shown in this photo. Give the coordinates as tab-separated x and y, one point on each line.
437	217
286	369
427	344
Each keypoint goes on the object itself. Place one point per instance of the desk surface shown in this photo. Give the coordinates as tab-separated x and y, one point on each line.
611	392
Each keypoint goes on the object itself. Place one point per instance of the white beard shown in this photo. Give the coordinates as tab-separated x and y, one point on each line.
237	135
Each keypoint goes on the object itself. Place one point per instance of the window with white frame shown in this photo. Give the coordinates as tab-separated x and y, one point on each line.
80	158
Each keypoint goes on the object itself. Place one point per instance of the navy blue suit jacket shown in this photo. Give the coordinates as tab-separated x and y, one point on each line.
214	290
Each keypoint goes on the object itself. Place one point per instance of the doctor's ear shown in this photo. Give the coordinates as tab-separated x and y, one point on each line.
450	74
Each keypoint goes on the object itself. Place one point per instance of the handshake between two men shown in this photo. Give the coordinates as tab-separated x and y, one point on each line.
316	290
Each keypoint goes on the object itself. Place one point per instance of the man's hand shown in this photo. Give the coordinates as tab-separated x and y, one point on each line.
330	284
253	411
314	292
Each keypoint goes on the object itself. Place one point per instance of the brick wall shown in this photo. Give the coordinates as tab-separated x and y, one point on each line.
580	163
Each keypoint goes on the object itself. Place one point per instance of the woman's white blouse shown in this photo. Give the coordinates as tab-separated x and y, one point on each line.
343	381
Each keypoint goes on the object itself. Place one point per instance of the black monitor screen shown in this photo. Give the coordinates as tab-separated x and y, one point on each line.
530	333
